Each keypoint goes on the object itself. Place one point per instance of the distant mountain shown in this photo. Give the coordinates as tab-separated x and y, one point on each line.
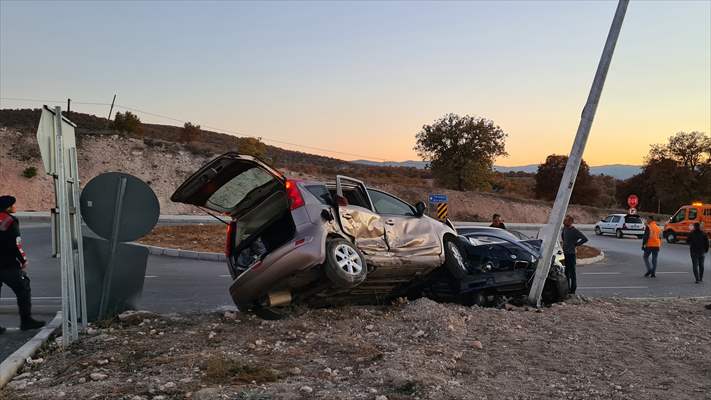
619	171
531	168
408	163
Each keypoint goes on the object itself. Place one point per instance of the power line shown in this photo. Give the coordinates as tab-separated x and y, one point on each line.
235	133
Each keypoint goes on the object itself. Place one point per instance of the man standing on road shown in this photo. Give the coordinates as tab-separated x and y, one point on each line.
496	222
698	246
572	238
13	263
651	242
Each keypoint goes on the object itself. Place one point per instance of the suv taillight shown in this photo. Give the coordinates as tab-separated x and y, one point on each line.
294	195
228	241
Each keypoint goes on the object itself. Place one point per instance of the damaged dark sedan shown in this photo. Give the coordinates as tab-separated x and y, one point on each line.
494	266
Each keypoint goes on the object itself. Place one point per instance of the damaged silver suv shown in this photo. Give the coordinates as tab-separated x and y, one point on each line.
315	243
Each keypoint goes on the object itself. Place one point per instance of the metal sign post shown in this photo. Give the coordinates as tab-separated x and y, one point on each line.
439	203
551	230
55	136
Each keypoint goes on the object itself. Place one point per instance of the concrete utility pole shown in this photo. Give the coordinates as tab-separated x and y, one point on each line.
551	230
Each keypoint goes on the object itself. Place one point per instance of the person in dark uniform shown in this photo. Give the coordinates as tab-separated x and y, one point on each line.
13	263
496	222
572	238
698	247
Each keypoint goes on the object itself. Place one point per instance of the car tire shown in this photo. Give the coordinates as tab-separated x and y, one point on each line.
619	234
345	265
454	260
671	237
598	231
556	287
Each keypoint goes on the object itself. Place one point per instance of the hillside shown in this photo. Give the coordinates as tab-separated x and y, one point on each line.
617	171
160	160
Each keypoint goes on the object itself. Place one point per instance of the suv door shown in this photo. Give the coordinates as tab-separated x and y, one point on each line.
355	213
406	234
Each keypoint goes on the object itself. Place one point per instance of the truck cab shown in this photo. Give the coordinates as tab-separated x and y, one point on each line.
682	222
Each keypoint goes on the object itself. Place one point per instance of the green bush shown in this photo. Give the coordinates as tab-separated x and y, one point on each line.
127	122
29	172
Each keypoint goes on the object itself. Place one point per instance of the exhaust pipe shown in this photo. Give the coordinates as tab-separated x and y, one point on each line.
279	298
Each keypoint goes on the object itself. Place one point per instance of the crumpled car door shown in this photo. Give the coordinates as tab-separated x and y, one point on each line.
357	218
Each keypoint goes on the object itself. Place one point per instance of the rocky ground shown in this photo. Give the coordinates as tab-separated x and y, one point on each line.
585	349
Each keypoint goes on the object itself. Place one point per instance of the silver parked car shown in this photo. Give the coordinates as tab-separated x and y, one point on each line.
293	241
621	225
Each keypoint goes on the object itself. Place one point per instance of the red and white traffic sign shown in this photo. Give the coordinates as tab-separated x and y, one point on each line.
632	201
632	211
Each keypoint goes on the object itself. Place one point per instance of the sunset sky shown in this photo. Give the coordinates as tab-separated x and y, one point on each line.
358	80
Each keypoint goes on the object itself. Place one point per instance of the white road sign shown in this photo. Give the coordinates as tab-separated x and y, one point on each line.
46	141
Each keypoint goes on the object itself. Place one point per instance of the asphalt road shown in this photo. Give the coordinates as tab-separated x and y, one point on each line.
180	285
621	273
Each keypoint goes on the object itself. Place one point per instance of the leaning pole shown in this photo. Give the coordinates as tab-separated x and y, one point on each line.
551	230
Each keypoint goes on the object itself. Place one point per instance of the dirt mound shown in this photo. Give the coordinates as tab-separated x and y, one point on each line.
600	349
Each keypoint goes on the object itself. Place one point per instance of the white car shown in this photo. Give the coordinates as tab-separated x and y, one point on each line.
621	225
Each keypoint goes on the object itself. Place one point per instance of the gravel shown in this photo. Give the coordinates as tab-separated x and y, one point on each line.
583	349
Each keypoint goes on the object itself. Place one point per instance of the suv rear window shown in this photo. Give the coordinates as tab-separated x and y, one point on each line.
633	219
239	188
321	193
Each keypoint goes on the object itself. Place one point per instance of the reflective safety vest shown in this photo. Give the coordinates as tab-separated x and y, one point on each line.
654	239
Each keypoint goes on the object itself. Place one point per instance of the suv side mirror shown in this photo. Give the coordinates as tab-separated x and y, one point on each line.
420	209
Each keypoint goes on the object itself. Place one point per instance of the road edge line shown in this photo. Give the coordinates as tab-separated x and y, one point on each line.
16	360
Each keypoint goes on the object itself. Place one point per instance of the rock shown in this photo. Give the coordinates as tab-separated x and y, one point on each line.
102	362
20	377
207	394
418	334
82	380
306	389
168	386
132	317
477	344
211	335
18	384
381	397
159	397
295	371
370	327
98	376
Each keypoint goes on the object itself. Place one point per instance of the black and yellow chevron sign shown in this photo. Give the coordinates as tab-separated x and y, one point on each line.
442	209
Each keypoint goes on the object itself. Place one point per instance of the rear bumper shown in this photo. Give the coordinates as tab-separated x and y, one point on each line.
291	258
633	232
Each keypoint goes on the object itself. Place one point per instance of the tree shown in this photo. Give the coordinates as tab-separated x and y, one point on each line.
190	132
688	150
252	146
461	150
674	173
550	173
127	122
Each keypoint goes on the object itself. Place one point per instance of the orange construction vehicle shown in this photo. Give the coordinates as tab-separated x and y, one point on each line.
682	222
